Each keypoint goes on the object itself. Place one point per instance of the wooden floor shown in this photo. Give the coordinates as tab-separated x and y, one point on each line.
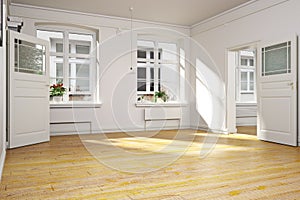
238	167
250	130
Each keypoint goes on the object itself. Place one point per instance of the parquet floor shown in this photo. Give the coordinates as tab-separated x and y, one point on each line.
238	166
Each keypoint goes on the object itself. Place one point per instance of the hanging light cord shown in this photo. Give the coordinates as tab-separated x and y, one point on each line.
131	39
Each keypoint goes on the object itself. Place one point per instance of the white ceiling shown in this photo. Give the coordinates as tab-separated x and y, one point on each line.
179	12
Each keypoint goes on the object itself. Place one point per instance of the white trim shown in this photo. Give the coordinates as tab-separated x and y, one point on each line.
223	13
97	15
2	161
248	9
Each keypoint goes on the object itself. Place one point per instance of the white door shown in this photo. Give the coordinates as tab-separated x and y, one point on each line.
28	90
277	91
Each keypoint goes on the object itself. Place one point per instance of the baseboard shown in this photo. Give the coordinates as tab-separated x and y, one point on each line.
2	160
203	128
119	130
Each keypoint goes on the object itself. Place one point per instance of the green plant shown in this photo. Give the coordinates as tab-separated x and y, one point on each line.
162	95
57	90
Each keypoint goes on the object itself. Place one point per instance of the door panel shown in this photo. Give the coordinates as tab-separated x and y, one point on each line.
28	90
277	94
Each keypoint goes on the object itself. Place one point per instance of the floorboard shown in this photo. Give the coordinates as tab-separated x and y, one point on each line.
235	166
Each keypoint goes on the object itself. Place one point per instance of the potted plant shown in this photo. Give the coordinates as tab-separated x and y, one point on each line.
57	91
160	96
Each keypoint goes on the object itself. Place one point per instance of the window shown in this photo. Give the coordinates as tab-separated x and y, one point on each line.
72	62
276	59
247	81
157	68
245	76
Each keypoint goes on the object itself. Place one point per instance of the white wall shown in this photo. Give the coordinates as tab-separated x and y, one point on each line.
117	83
3	98
260	20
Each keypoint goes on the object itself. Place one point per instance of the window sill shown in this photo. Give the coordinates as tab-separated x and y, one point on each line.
75	105
165	104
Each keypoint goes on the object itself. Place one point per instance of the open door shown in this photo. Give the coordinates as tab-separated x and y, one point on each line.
277	91
28	88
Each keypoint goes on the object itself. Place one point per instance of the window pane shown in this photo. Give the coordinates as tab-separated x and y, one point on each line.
79	70
31	58
244	76
141	54
251	76
151	73
276	59
244	61
251	86
82	49
59	70
151	55
141	86
141	73
244	86
251	62
79	85
152	86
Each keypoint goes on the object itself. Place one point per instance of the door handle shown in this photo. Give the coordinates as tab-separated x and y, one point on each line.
291	84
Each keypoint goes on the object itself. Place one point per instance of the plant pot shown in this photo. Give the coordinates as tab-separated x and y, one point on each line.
57	99
159	100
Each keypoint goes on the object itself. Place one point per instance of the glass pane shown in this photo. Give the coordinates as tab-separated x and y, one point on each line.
151	73
141	54
31	58
277	59
82	49
251	62
152	86
151	55
244	86
244	62
59	70
251	76
244	76
141	73
79	85
79	70
59	47
251	86
141	86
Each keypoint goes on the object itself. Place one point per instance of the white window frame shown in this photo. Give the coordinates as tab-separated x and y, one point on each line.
65	60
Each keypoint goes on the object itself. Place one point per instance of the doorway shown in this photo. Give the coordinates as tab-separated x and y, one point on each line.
242	84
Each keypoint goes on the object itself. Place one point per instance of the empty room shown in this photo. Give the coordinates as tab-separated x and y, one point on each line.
155	100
